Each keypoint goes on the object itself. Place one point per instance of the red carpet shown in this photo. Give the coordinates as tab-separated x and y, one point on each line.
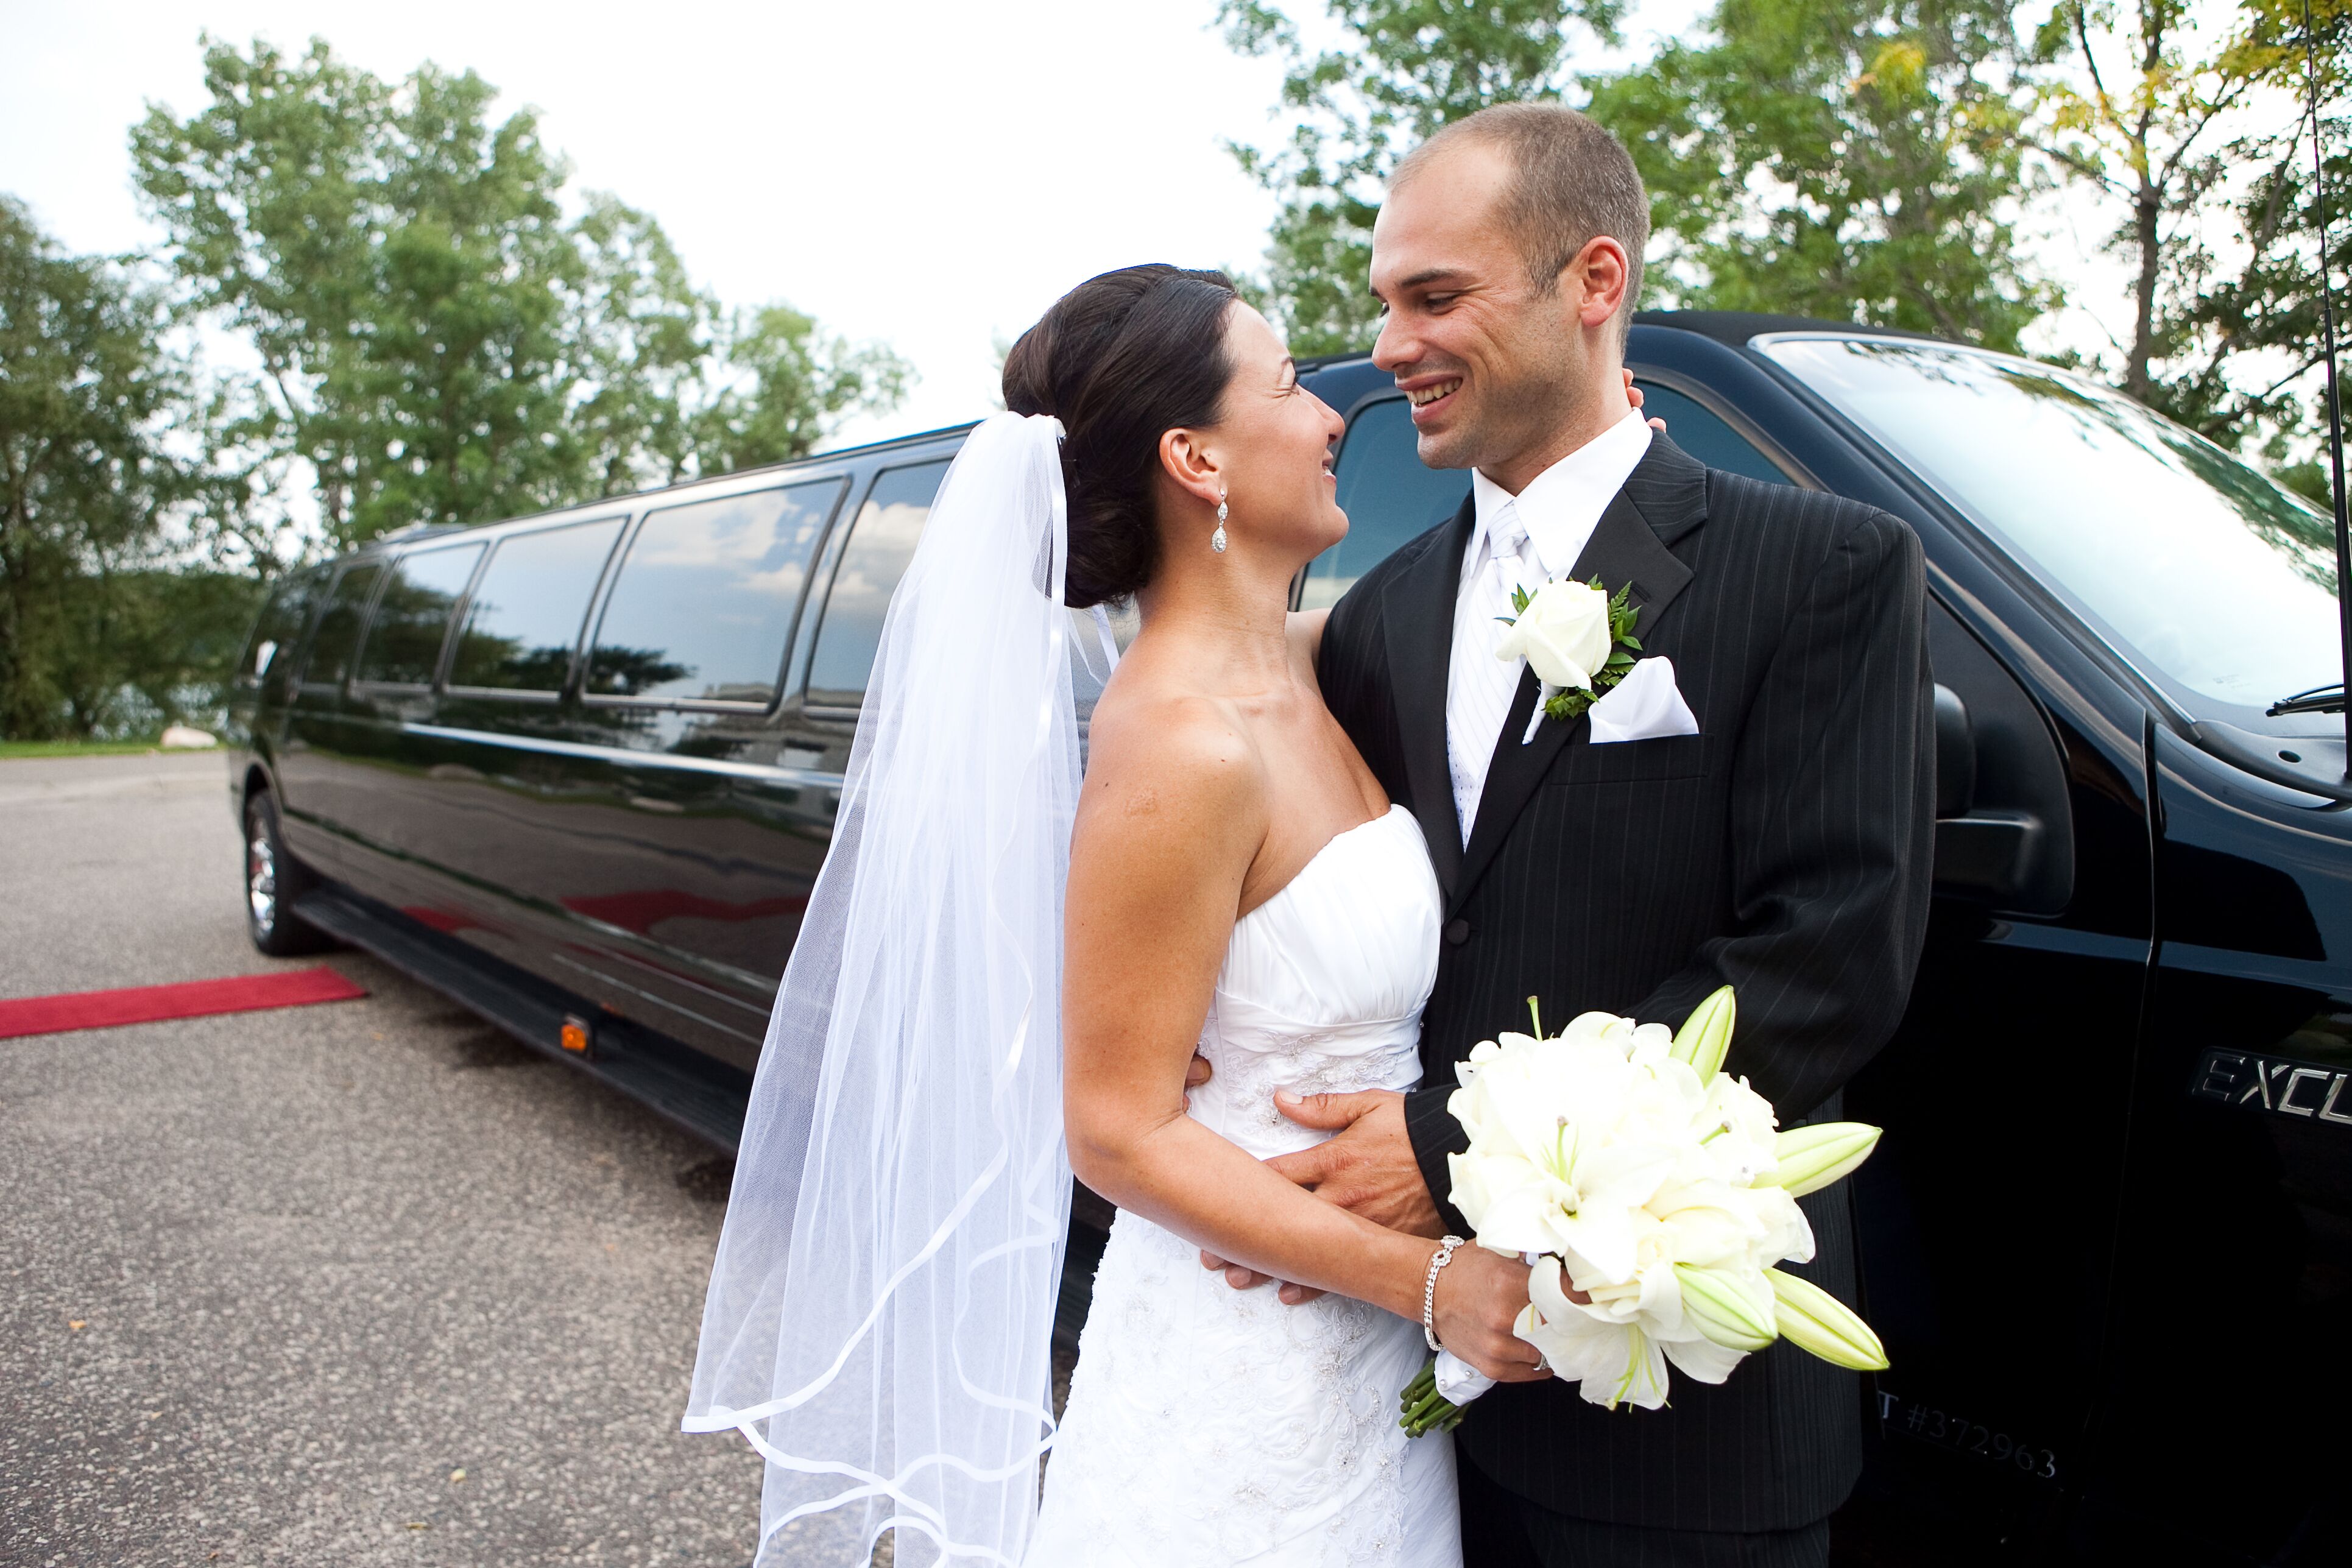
147	1003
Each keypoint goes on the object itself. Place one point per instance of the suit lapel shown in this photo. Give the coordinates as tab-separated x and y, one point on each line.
1417	620
1664	499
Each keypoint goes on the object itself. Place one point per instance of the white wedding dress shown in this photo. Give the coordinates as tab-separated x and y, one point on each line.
1207	1424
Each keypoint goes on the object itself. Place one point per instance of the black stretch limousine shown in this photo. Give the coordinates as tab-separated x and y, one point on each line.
578	769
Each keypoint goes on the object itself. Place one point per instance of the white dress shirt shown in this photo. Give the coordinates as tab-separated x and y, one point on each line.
1522	541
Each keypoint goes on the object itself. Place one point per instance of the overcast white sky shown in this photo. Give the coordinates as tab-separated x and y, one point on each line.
930	174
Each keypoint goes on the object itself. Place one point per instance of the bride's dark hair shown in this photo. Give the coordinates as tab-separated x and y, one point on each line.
1120	359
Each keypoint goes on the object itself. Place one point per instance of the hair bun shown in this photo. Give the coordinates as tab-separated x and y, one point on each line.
1028	383
1119	360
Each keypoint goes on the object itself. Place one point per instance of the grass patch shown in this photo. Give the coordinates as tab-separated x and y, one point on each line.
13	751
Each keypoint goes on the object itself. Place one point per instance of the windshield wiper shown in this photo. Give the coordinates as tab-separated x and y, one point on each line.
2318	699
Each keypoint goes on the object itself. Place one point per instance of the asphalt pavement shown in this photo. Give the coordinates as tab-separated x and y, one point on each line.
357	1284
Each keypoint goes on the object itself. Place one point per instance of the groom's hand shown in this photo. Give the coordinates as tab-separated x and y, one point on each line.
1366	1167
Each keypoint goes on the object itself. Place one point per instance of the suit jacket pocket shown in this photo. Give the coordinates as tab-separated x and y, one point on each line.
1632	762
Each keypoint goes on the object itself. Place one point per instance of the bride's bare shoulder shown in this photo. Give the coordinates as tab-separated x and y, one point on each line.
1178	758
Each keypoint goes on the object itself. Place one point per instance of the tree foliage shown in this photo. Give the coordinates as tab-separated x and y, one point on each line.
93	497
2194	123
2144	124
1401	70
437	340
438	334
1854	160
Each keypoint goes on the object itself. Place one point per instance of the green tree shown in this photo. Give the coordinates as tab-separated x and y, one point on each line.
1401	70
2201	134
268	197
438	342
91	392
2140	109
644	345
1856	160
794	381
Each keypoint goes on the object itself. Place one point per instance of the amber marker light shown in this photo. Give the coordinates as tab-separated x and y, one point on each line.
574	1037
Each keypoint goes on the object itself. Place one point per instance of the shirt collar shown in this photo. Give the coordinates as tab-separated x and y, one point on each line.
1561	507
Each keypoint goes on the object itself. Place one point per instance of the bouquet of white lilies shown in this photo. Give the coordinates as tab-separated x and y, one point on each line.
1653	1194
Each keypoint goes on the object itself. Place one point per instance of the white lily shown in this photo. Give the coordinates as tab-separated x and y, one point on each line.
1813	1319
1611	1363
1625	1165
1733	1308
1705	1034
1807	1159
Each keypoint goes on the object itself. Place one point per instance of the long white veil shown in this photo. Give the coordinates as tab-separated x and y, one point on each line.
880	1313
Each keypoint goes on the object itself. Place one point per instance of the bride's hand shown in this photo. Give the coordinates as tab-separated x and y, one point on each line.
1479	1297
1633	397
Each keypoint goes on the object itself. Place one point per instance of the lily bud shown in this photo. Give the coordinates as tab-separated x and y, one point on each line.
1705	1034
1727	1309
1813	1319
1810	1158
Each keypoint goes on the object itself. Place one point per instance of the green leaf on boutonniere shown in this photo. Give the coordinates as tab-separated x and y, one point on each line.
1569	704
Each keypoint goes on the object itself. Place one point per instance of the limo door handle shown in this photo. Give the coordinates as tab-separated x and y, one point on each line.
1991	855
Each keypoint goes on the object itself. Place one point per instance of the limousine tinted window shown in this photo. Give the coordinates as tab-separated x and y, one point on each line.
705	601
523	622
278	629
1388	498
880	546
338	628
412	619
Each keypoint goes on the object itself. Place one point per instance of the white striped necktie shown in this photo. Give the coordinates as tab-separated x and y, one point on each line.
1479	685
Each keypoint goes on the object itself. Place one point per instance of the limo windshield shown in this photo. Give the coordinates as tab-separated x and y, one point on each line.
2213	575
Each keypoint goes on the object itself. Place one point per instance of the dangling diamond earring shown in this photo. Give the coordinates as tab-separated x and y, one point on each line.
1217	540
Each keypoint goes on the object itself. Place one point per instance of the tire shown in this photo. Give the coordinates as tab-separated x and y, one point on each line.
274	879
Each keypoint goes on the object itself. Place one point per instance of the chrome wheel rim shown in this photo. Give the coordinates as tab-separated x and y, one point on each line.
261	881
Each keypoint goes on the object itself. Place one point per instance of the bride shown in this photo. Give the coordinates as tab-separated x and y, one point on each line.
1007	967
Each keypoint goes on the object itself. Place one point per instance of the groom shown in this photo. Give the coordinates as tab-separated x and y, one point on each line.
1784	848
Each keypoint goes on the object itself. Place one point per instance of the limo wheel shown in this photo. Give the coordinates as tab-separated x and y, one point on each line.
273	880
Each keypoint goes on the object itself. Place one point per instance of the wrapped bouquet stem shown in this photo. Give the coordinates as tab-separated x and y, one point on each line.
1653	1196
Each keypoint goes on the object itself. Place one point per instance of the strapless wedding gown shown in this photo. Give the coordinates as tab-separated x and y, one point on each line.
1210	1425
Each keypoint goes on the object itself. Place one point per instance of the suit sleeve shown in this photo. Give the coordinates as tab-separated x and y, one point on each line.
1434	1135
1832	831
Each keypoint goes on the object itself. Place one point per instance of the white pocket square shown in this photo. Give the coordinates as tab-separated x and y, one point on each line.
1644	706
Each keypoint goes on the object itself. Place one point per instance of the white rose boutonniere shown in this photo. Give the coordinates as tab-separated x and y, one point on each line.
1577	637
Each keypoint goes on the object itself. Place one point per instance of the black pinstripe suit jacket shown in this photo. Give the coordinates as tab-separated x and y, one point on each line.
1786	848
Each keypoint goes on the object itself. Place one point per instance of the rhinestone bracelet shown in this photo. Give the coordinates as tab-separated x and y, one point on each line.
1439	1260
